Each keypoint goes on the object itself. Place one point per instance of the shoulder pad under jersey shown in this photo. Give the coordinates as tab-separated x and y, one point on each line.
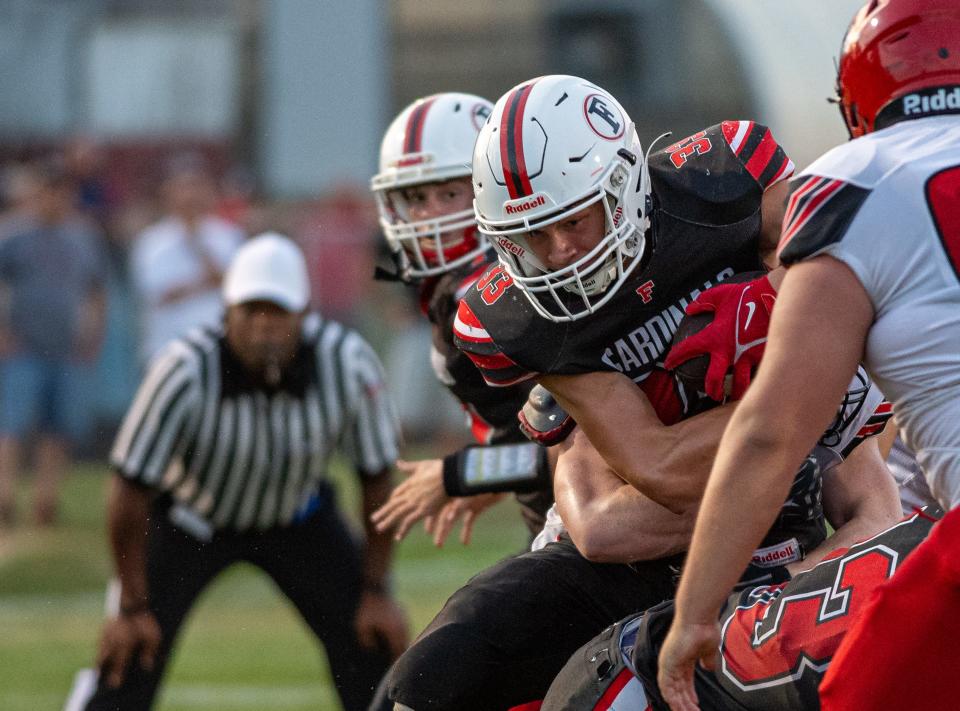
718	175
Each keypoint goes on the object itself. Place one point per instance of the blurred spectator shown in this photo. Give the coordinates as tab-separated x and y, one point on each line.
177	264
51	327
236	197
19	185
337	238
84	160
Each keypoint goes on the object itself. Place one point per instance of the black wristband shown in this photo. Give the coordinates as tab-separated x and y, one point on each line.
451	475
518	468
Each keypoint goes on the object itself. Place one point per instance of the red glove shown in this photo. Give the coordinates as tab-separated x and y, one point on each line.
736	337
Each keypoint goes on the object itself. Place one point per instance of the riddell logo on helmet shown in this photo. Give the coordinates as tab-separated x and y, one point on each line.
511	246
617	216
408	160
941	100
524	206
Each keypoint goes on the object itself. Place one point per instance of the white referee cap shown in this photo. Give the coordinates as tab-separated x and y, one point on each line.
268	267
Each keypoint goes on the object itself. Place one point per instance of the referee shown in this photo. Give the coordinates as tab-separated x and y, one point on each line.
222	458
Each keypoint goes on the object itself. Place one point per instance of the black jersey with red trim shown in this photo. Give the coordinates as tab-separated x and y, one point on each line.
705	227
777	640
492	412
693	249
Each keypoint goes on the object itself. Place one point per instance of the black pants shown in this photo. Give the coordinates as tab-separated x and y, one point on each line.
316	564
502	638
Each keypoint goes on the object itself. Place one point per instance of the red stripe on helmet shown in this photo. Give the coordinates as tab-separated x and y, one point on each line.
518	143
413	135
511	143
505	143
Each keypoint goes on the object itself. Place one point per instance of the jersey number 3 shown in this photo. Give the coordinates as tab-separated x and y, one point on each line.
776	639
492	286
697	144
943	198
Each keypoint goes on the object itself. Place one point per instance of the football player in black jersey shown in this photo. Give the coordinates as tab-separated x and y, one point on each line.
425	199
776	641
585	223
513	627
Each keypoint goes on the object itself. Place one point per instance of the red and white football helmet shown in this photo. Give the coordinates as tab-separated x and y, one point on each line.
430	141
552	147
894	48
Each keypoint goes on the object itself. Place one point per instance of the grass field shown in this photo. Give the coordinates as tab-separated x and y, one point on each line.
243	648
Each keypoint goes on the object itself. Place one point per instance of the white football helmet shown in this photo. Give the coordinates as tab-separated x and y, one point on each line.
430	141
552	147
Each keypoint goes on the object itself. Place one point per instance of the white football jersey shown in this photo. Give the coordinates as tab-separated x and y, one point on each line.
888	206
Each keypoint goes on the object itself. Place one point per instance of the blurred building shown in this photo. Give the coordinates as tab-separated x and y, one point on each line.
677	65
292	96
293	88
301	89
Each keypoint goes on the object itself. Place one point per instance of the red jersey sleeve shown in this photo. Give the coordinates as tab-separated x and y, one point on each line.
756	148
470	336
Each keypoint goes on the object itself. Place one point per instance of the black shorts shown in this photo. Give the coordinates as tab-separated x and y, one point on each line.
597	677
502	638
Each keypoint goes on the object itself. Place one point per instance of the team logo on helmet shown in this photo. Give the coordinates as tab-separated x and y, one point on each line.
603	117
479	115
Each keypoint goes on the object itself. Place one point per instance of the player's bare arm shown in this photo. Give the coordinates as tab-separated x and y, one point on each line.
886	439
860	499
767	437
608	519
861	496
421	495
465	509
669	464
772	208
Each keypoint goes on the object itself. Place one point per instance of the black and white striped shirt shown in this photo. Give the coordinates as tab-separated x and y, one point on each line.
242	457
